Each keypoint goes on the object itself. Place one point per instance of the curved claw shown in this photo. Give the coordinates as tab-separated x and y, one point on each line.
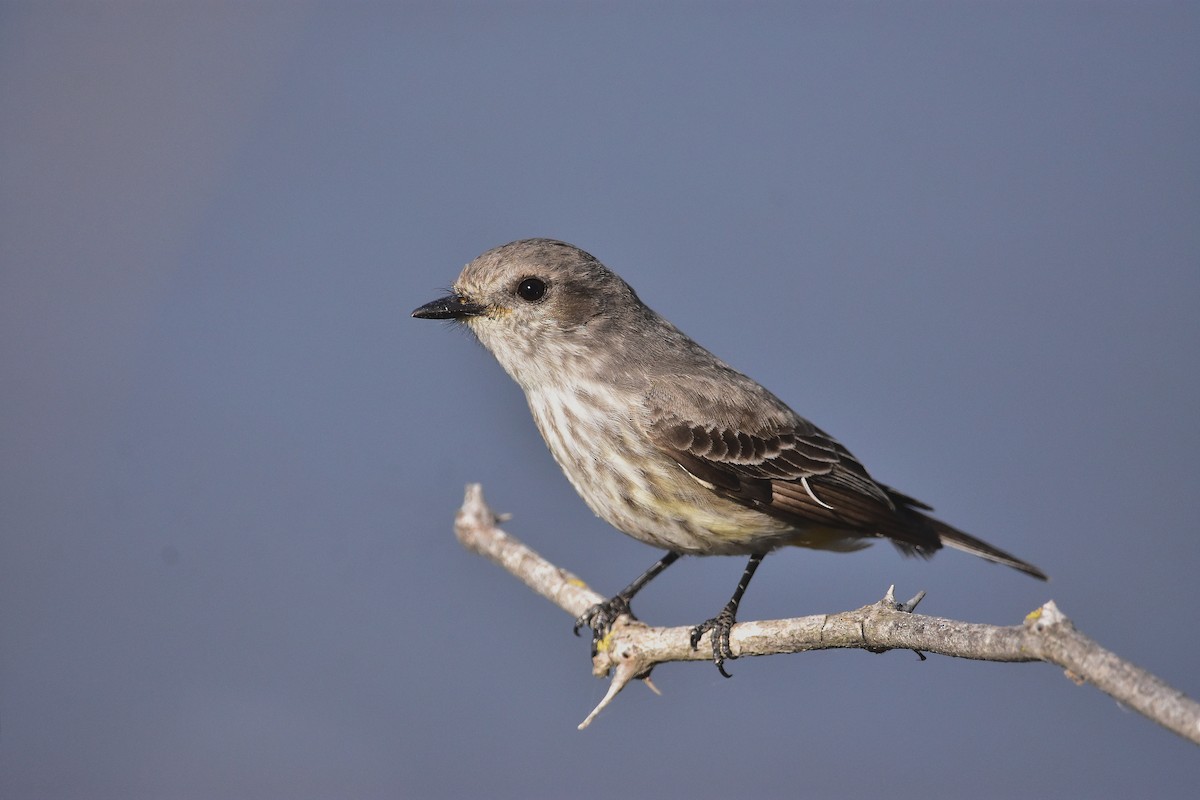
699	631
600	618
720	626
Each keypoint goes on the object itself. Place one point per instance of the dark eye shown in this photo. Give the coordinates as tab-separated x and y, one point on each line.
531	289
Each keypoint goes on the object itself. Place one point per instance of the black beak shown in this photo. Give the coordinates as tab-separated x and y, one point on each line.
453	306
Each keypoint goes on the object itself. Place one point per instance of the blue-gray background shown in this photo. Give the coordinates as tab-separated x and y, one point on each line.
964	238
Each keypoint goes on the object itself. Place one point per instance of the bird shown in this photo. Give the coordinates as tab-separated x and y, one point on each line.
665	441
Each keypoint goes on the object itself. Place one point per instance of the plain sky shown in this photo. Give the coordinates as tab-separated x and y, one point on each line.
962	237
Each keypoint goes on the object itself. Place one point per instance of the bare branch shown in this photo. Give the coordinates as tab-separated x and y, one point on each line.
633	648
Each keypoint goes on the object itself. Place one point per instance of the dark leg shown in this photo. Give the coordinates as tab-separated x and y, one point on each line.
721	624
601	616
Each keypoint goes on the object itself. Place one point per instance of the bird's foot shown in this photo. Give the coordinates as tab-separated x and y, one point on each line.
720	625
600	618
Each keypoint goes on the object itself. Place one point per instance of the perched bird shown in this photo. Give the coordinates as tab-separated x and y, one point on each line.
665	441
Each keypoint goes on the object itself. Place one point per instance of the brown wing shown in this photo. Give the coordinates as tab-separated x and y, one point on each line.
796	472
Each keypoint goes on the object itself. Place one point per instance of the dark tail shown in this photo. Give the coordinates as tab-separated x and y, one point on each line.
927	528
955	538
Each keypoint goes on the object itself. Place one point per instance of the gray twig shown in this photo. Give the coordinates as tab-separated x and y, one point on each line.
633	648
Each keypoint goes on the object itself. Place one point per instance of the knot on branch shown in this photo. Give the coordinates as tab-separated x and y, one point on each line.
884	610
1047	617
619	653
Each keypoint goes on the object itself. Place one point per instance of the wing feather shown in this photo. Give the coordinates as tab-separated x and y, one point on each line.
794	471
737	437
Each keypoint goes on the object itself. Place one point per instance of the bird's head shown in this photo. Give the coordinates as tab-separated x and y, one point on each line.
538	305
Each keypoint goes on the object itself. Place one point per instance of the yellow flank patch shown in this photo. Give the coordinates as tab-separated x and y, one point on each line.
695	511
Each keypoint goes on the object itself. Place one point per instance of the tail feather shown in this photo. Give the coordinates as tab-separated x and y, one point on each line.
969	544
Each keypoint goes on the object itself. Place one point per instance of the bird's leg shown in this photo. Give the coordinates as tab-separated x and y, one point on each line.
722	623
601	616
